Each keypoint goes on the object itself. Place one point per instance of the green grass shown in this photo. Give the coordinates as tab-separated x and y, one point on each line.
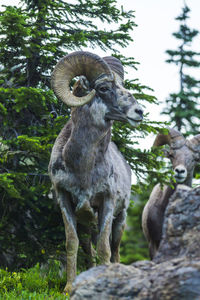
37	283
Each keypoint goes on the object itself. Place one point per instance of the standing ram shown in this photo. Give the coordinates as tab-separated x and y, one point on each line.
184	155
91	179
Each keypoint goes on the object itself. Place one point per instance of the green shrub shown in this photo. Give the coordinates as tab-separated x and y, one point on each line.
46	282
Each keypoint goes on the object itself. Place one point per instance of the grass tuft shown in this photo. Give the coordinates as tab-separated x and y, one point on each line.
37	283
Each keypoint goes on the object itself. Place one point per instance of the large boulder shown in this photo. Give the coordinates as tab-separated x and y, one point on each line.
173	274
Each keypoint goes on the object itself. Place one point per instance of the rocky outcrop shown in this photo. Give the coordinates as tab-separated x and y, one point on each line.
181	231
173	274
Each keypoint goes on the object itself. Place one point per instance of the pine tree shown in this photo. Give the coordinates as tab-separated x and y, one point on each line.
183	107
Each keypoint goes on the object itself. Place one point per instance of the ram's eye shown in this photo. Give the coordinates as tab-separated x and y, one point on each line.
103	89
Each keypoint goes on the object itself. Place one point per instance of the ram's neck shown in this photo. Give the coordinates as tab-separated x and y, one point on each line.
168	193
88	142
188	181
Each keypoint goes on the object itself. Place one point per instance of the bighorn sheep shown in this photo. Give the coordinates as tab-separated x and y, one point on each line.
91	179
184	155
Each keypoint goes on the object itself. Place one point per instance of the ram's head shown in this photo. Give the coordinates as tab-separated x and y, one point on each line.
101	80
184	154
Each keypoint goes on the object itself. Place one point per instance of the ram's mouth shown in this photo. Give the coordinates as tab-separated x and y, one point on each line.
180	178
134	122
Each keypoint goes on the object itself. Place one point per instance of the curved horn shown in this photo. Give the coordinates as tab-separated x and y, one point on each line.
174	138
76	64
194	143
161	139
116	66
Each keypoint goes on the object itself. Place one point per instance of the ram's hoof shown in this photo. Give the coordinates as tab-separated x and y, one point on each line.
68	289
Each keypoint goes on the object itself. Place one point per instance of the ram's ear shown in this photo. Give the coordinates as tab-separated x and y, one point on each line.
81	87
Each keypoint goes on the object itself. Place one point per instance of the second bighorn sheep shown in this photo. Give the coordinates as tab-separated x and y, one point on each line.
91	178
184	155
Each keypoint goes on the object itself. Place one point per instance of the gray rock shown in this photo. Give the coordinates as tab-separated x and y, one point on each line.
181	234
173	274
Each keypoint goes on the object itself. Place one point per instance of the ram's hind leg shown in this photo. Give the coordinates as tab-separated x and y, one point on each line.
84	234
117	231
72	241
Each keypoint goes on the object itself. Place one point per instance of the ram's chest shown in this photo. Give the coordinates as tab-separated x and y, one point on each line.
98	180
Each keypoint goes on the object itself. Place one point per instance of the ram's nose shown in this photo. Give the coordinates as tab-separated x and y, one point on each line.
135	115
180	170
140	112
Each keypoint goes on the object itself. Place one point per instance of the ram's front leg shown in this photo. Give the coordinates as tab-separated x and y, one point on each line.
105	227
72	241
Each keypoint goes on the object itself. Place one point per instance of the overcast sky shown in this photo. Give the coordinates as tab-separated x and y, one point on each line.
153	36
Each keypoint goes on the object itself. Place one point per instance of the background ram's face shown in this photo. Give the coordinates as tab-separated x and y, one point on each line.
183	163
